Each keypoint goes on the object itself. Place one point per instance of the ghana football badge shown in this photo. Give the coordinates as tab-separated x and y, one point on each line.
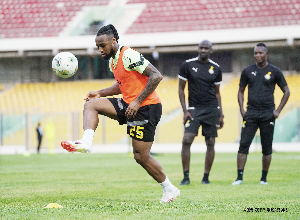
244	124
211	70
268	75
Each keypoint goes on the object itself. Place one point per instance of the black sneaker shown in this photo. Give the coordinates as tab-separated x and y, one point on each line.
205	182
185	182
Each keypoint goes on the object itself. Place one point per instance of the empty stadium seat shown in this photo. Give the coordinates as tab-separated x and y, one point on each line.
158	16
60	99
216	14
68	96
18	18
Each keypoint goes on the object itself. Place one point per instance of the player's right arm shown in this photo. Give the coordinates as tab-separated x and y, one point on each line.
241	100
186	114
242	86
183	78
112	90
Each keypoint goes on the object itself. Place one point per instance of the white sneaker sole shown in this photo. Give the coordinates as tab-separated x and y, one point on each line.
73	148
172	197
239	182
263	183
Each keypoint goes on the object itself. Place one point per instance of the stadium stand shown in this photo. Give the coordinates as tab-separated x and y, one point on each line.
40	97
68	96
192	15
63	98
63	101
36	18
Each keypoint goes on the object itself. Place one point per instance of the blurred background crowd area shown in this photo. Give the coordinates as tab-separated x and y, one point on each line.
166	32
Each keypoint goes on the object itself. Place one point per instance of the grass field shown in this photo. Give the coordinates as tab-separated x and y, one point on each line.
113	186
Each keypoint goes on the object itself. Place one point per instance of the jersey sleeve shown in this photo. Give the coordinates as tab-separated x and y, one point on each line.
218	80
243	79
109	64
183	74
281	82
134	61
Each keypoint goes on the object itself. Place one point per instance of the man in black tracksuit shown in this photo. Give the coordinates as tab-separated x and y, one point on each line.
261	79
39	131
204	77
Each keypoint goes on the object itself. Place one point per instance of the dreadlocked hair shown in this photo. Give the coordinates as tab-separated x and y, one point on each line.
109	30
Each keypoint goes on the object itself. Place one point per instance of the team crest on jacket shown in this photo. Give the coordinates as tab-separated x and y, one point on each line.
187	124
268	75
211	70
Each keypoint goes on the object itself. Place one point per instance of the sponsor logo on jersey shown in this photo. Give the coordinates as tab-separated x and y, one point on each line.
139	63
195	69
254	73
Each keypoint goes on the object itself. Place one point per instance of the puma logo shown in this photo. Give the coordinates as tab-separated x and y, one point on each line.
195	69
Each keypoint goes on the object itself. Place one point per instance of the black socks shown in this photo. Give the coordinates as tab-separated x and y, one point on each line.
186	175
205	177
240	174
264	176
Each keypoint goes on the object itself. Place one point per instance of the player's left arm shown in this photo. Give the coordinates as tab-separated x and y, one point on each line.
284	99
134	61
221	115
154	78
281	82
217	83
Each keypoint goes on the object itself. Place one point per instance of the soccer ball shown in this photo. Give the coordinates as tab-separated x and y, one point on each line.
65	64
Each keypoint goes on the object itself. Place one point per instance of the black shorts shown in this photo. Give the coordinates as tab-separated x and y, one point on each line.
254	119
207	116
142	126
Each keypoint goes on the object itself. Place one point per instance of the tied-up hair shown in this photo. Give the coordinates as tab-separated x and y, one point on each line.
109	30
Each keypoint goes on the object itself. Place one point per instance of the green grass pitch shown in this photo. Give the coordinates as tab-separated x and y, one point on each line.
114	186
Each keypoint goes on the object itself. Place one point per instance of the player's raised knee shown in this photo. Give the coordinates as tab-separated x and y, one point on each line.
138	158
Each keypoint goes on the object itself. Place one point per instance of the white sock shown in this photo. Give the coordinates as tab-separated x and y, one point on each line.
88	136
167	185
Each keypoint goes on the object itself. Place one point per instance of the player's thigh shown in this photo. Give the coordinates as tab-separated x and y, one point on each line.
209	130
141	147
266	134
192	126
248	132
209	122
142	127
103	106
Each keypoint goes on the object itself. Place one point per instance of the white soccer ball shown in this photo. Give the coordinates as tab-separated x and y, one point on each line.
65	64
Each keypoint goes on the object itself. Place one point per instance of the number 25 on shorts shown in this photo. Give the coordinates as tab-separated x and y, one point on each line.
137	132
